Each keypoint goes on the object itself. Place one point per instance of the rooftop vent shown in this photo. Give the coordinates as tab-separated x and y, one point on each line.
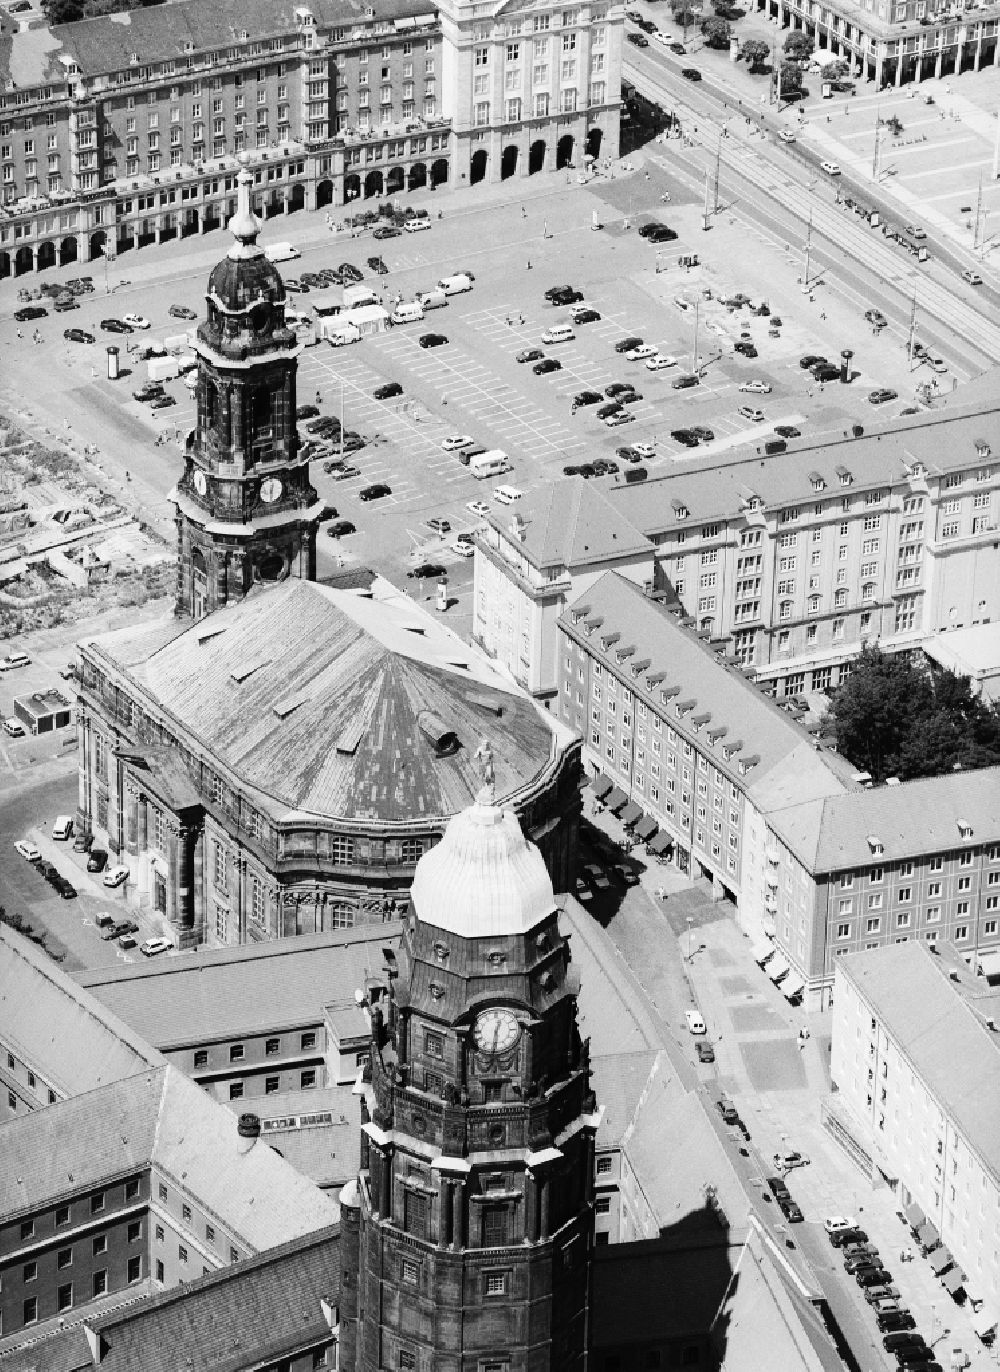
443	740
248	1127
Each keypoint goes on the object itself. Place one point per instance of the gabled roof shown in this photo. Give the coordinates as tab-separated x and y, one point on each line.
943	441
571	523
917	817
788	768
66	1035
937	1026
332	703
160	1119
225	993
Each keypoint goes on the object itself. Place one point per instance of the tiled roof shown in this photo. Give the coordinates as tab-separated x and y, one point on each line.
328	1154
676	1154
69	1038
789	770
941	441
611	1014
936	1026
223	993
916	817
161	1118
250	1314
619	1081
570	523
329	702
107	43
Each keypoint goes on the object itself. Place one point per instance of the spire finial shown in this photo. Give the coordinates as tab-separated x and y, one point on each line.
244	225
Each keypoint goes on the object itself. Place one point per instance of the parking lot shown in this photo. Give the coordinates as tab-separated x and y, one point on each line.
473	384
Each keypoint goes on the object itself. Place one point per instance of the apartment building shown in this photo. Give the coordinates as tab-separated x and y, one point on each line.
265	1020
529	565
143	1183
896	41
916	1067
734	790
795	561
118	133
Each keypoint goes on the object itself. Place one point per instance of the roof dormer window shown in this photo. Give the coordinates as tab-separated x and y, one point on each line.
875	845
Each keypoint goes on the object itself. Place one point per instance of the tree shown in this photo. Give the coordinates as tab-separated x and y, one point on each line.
755	53
716	33
893	717
798	45
791	77
63	11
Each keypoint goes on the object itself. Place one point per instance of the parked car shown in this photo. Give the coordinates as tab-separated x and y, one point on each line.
874	1294
136	321
387	391
114	876
756	387
748	412
626	345
826	371
386	231
683	383
727	1110
547	364
377	491
835	1224
97	861
583	398
787	431
154	946
29	312
432	340
586	316
894	1321
705	1051
872	1276
640	353
27	850
529	355
425	571
340	529
181	312
78	336
638	40
882	395
842	1238
695	1023
506	495
660	361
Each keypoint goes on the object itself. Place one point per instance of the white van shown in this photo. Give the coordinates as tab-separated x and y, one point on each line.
407	312
454	285
63	827
695	1023
490	463
432	300
281	252
416	225
559	333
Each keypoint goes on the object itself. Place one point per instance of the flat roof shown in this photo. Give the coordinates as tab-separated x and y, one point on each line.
937	1013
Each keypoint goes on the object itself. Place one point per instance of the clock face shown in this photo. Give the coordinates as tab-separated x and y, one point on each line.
270	490
496	1031
200	484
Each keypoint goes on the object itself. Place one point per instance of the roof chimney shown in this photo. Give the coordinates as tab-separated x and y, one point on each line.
248	1131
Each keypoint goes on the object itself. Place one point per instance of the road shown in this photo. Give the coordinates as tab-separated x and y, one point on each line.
765	177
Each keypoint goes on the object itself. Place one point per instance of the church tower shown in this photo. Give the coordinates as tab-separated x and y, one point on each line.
466	1240
245	509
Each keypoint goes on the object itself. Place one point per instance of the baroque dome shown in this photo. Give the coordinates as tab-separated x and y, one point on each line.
484	879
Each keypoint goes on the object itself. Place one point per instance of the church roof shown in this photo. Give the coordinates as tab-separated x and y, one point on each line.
331	703
484	879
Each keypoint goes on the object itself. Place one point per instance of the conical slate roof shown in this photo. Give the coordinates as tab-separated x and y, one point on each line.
335	704
484	879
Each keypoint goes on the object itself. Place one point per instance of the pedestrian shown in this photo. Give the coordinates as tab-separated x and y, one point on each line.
20	334
822	314
319	398
524	213
520	319
529	264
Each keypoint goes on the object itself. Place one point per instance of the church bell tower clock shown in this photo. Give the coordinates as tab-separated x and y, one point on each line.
245	509
466	1240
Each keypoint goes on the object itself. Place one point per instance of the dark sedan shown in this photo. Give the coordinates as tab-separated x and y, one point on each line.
378	491
426	570
78	336
115	326
30	312
432	340
387	391
547	364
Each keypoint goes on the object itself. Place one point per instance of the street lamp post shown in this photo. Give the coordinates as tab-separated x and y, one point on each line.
690	936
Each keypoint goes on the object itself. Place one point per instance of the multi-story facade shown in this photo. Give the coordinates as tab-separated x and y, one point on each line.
245	509
466	1240
897	41
529	565
916	1066
278	768
811	857
114	135
796	560
144	1183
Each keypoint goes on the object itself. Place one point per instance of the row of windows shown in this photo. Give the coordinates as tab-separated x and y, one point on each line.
903	921
99	1286
64	1256
272	1047
64	1213
272	1085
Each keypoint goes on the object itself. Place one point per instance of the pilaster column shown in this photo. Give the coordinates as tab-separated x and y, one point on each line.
403	1036
143	814
173	875
532	1212
185	877
447	1213
459	1234
131	821
544	1230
